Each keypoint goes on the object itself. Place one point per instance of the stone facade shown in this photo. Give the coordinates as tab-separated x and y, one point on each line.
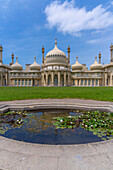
56	71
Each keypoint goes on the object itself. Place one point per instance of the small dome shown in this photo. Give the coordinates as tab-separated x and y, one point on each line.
77	65
16	66
96	65
35	66
55	51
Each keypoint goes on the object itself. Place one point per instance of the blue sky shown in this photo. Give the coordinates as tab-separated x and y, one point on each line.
25	26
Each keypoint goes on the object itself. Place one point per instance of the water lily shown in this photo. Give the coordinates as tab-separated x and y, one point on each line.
69	116
85	126
61	120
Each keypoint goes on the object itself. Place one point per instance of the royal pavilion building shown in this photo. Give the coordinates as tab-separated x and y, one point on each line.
56	70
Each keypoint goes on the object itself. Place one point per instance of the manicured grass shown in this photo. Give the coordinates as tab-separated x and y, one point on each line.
21	93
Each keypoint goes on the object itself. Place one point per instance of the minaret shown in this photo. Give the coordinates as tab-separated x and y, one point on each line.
99	56
12	56
43	51
111	49
1	50
68	50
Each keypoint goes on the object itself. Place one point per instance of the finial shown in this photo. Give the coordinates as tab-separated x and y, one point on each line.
95	58
12	55
16	59
55	41
99	54
1	48
68	49
35	59
77	58
43	49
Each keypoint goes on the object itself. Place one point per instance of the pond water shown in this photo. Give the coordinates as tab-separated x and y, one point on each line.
56	127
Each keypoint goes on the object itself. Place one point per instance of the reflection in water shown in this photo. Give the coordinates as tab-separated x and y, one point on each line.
41	127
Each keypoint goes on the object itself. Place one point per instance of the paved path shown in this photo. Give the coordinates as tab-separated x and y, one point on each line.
15	155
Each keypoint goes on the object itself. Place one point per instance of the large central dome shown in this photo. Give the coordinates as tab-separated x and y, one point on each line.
56	56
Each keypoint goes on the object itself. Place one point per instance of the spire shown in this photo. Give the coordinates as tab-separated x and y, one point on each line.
95	58
35	59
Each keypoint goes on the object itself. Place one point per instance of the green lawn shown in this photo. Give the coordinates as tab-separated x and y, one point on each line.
20	93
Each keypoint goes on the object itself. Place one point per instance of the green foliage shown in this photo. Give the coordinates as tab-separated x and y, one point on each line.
100	123
21	93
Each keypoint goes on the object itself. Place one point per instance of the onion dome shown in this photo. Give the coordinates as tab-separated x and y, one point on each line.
55	51
56	56
16	66
77	65
35	66
96	65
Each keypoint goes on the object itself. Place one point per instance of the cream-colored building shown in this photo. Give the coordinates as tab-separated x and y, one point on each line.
56	71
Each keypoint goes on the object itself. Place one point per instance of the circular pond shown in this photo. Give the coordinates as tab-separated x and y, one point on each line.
57	127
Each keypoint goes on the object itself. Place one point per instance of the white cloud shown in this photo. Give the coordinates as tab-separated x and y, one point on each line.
68	18
111	2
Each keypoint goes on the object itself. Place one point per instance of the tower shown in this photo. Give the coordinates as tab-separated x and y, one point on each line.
1	50
111	49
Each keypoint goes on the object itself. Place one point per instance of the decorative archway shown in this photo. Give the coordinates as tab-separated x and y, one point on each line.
55	80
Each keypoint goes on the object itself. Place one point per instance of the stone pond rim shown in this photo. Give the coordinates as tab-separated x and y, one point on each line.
65	104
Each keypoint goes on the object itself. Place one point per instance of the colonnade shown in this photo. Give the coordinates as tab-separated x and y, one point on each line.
87	82
56	79
25	82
